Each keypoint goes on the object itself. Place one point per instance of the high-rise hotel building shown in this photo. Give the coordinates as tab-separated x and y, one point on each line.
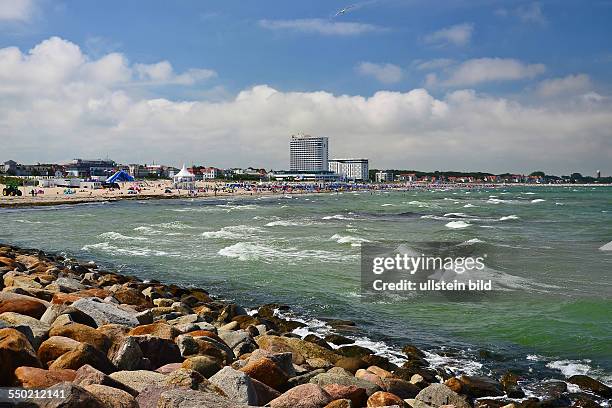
308	153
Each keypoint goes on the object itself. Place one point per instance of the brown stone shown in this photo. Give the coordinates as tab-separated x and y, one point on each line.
87	375
73	397
133	297
356	395
15	351
368	376
83	354
351	364
83	334
157	329
454	384
383	399
341	403
266	371
205	365
302	396
111	397
25	305
32	377
54	347
379	372
205	333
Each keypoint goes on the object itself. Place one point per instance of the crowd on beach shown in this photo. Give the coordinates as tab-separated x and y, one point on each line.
82	336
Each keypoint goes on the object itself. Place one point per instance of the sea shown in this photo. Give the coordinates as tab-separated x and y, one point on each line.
549	256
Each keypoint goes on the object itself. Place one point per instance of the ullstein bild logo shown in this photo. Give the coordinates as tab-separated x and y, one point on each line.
450	269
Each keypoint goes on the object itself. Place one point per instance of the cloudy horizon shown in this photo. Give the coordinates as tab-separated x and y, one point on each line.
440	95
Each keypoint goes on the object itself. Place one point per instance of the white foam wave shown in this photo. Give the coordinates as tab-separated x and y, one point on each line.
509	217
232	232
469	206
251	251
173	225
115	236
571	367
457	224
147	230
498	201
107	248
457	215
387	205
337	217
231	207
349	239
290	223
538	200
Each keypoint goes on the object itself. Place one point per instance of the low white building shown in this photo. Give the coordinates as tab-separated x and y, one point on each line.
350	169
184	179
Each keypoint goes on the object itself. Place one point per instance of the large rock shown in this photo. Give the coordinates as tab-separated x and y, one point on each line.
66	285
139	379
180	398
401	388
127	354
81	355
87	375
31	377
478	387
385	399
266	371
510	385
54	347
264	393
236	385
205	365
73	397
159	351
300	349
436	395
190	346
129	296
15	351
83	334
356	395
302	396
105	313
112	397
157	329
587	383
333	378
282	360
25	305
38	329
233	338
351	364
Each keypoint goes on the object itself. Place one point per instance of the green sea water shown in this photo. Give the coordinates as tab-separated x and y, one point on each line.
546	248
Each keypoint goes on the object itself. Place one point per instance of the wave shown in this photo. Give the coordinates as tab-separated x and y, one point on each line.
30	222
115	236
469	206
251	251
231	207
457	215
538	200
337	217
289	223
348	239
173	225
107	248
570	367
472	242
457	224
387	205
498	201
509	217
232	232
606	247
528	193
147	230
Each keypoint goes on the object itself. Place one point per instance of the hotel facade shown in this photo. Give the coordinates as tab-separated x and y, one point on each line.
350	169
308	153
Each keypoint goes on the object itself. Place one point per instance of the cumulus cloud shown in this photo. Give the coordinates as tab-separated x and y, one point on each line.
459	35
571	84
385	73
433	64
16	10
320	26
480	70
59	107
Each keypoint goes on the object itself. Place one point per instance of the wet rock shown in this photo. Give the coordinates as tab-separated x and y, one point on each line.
74	397
407	373
105	313
24	305
158	351
32	377
587	383
338	339
354	351
318	340
112	397
436	395
356	395
401	388
479	387
205	365
83	334
302	396
81	355
384	399
509	383
15	351
87	375
333	378
266	371
379	361
236	385
54	347
139	379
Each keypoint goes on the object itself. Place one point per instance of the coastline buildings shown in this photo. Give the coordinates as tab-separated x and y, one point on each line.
350	169
308	153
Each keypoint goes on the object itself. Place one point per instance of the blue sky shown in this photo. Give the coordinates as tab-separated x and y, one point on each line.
522	56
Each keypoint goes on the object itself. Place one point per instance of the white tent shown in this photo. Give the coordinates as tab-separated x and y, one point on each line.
184	179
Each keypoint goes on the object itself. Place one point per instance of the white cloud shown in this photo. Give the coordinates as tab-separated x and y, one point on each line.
480	70
433	64
571	84
16	10
55	101
321	26
459	35
385	73
530	13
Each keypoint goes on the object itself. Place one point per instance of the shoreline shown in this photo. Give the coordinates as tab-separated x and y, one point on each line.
45	201
130	311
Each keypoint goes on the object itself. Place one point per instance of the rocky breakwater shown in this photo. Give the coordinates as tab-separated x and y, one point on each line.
108	340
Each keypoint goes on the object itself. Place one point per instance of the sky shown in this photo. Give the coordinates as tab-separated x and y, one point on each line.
466	85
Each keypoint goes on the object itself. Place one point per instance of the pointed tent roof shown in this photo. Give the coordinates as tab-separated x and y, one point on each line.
119	176
184	173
